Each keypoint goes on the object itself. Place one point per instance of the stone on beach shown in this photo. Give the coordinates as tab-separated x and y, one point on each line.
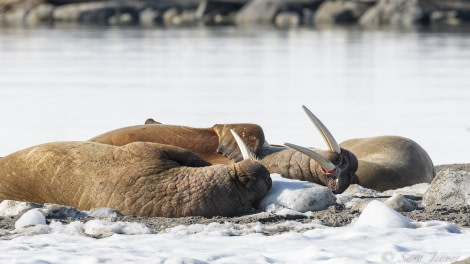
450	187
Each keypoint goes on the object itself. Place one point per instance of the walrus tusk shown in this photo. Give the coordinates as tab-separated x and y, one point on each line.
324	163
246	153
329	139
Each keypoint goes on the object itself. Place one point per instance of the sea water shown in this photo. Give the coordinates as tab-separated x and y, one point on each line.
75	83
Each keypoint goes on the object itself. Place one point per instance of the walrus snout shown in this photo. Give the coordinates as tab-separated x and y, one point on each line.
253	175
344	173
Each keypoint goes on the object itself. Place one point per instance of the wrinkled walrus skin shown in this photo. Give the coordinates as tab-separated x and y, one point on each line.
142	178
390	162
217	146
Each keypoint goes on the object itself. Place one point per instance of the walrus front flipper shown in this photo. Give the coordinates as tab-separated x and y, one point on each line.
251	134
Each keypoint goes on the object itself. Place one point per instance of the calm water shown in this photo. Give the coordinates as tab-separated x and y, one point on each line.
72	84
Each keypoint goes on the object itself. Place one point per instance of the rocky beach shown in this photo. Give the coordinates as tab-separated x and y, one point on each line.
281	13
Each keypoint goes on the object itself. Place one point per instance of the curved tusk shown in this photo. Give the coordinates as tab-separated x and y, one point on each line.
246	153
324	163
329	139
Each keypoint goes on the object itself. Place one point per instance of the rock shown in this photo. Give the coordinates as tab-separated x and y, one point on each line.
13	12
339	12
99	12
39	14
457	166
104	212
397	13
218	12
149	17
449	187
287	19
258	11
400	204
61	211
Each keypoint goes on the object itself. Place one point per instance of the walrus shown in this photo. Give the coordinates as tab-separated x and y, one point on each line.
334	167
386	162
140	178
390	162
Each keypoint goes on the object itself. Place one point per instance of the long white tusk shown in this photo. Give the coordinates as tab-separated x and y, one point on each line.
329	139
324	163
246	153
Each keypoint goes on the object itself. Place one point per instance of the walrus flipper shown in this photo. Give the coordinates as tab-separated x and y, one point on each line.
252	134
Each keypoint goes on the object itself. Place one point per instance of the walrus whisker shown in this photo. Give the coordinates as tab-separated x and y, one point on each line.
327	136
324	163
246	153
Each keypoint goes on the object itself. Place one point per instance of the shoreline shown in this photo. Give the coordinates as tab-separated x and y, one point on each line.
280	13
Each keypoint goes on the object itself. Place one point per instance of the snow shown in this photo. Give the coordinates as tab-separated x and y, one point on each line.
299	196
377	214
31	217
378	234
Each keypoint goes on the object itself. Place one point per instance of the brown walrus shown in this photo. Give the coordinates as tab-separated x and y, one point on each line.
390	162
334	167
141	178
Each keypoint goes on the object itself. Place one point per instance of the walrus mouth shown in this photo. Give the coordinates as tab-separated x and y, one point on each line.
331	173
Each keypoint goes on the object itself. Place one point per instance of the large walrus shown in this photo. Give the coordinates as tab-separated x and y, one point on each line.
390	162
141	178
334	167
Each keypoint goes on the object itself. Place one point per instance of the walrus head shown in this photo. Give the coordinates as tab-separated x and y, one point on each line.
335	167
251	173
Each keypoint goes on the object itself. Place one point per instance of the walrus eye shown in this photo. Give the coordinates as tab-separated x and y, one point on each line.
247	180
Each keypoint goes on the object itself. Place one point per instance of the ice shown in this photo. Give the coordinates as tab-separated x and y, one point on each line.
377	214
9	207
99	227
31	217
300	196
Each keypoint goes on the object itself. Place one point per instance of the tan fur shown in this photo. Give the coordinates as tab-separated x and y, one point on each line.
209	143
390	162
217	146
141	178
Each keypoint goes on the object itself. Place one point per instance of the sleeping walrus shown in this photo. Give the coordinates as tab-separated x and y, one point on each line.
334	167
386	162
141	178
390	162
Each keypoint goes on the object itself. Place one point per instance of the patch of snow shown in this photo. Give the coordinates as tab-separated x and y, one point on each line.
31	217
11	208
377	214
300	196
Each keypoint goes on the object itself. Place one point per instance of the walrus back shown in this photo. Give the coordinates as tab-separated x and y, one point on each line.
46	173
390	162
